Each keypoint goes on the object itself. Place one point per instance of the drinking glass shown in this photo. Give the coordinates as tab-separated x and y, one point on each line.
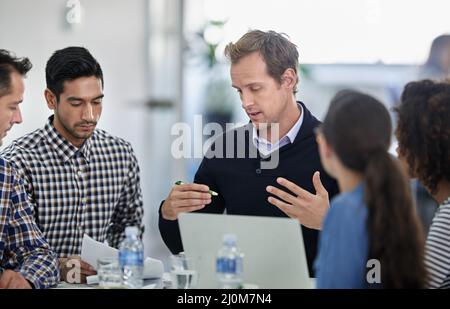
109	273
183	272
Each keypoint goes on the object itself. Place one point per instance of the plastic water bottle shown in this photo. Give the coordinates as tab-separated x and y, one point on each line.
131	258
229	264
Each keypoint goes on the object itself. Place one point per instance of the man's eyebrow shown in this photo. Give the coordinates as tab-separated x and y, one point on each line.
247	85
74	99
80	99
99	97
253	84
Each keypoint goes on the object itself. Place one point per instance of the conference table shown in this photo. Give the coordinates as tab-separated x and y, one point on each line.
161	283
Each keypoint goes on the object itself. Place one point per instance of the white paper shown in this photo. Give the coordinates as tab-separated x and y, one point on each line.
153	268
92	279
92	250
149	286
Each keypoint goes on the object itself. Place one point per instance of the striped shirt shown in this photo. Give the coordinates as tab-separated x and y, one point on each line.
94	189
22	246
437	257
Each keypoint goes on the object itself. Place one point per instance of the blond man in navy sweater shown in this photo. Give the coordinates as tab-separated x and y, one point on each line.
264	73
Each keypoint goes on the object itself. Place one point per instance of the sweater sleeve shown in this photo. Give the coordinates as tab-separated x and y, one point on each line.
169	229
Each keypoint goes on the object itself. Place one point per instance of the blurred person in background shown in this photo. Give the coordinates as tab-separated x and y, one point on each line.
437	65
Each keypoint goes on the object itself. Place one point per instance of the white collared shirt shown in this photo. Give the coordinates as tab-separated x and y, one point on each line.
266	148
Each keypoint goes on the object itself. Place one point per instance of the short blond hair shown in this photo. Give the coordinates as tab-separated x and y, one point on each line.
275	48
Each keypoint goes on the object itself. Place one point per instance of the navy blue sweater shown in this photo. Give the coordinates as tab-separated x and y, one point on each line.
241	182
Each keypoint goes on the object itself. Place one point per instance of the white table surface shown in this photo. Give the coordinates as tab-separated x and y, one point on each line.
148	284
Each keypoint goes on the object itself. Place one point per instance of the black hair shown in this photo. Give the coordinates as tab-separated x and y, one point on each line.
9	63
439	44
68	64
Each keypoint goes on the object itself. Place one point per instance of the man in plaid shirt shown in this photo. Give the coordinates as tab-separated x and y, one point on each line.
25	258
79	179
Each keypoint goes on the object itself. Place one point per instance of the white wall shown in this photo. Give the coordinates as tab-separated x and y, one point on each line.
37	28
115	33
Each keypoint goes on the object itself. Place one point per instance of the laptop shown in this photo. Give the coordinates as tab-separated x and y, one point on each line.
274	254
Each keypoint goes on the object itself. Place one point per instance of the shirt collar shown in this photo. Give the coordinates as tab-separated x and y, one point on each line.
64	148
291	135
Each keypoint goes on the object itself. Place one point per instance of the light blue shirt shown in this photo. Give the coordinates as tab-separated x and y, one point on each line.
344	244
265	147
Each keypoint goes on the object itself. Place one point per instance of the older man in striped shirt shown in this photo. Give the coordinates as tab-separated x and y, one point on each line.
26	260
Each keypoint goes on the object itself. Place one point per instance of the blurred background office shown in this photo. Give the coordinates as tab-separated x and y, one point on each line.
162	62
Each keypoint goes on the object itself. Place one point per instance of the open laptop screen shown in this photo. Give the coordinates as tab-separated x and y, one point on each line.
274	254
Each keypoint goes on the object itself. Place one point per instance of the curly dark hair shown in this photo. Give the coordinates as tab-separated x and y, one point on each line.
423	131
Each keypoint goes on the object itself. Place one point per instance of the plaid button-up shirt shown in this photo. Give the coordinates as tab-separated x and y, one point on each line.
94	189
22	246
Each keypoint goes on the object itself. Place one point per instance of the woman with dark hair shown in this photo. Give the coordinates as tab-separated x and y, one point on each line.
371	237
423	134
437	65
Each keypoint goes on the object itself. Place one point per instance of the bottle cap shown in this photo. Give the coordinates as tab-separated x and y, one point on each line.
131	231
229	239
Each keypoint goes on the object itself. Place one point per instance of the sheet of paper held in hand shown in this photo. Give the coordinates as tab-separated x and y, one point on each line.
92	250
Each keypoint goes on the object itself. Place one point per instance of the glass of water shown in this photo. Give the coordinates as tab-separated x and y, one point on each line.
183	272
109	273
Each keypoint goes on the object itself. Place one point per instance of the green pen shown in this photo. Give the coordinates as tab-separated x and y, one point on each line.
213	193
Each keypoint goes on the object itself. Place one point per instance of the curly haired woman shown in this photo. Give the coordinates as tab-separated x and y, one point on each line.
423	133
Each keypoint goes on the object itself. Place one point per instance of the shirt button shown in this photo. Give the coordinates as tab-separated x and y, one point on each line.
258	171
80	173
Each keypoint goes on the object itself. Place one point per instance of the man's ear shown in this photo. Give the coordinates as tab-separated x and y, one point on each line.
289	78
50	98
